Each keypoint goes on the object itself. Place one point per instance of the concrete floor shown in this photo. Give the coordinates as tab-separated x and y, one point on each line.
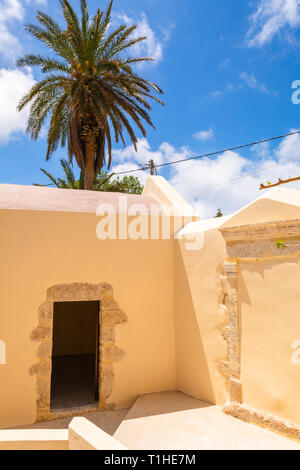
174	421
108	421
73	381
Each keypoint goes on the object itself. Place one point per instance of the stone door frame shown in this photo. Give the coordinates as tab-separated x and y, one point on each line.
110	315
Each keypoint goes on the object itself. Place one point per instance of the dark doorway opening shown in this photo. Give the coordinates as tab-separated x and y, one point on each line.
75	355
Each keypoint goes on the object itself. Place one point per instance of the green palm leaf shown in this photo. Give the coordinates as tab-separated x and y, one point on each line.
90	89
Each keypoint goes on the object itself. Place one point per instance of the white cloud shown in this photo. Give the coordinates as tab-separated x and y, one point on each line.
272	17
12	12
126	167
229	181
252	82
165	153
10	47
13	85
262	151
289	148
224	63
152	46
128	159
216	93
204	135
249	79
196	179
229	88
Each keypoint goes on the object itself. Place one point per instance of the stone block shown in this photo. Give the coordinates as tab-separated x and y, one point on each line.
112	353
113	317
43	393
44	350
235	391
109	304
73	292
42	368
106	381
40	333
105	291
108	334
45	312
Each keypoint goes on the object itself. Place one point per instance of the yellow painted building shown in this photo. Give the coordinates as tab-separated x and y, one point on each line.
134	295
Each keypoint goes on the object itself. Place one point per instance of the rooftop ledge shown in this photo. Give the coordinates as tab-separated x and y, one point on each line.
157	192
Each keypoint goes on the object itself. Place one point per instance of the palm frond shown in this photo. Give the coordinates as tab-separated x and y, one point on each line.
85	18
54	180
47	64
68	172
91	90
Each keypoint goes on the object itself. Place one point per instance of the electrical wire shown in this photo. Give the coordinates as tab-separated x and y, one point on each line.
239	147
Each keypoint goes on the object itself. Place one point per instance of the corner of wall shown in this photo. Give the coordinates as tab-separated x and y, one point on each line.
159	188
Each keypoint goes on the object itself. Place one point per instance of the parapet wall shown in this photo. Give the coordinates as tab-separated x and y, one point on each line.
237	310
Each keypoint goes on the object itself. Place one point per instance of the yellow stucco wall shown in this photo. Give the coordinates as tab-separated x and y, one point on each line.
174	301
41	249
269	297
199	318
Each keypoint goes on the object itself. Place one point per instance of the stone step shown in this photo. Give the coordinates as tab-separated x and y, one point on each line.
174	421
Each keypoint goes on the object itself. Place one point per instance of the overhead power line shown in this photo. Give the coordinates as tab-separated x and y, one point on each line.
254	172
206	155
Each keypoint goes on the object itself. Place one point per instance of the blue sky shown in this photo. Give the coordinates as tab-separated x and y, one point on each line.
226	68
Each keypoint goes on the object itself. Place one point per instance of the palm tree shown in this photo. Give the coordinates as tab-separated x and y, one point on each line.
128	184
91	87
70	182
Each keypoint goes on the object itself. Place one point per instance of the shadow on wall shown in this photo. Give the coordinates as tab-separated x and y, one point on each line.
269	301
192	373
258	272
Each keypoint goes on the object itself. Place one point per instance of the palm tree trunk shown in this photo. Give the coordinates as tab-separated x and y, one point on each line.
89	170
